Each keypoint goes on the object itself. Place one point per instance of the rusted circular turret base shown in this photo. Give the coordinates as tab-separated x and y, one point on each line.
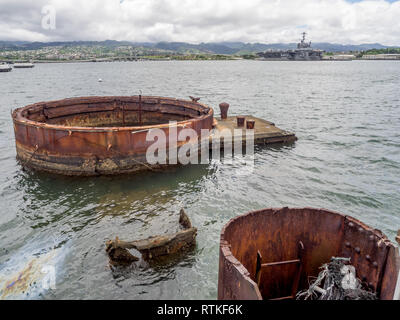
99	135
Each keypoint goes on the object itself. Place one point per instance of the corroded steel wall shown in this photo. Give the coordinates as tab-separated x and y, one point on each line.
66	137
276	234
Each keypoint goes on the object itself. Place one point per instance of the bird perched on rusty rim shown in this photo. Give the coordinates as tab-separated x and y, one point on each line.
194	99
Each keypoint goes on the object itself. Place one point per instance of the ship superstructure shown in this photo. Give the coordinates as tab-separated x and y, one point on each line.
303	52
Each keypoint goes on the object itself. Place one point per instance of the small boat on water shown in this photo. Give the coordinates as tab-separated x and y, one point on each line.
275	254
5	68
23	65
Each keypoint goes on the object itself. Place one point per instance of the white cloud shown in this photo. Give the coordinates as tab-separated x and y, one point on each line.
196	21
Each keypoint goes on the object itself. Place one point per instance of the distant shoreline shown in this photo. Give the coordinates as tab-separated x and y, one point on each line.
108	61
179	60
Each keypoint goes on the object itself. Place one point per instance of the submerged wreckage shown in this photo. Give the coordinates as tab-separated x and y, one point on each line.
153	247
274	253
108	135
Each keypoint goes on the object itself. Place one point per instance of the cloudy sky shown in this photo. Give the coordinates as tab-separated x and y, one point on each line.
267	21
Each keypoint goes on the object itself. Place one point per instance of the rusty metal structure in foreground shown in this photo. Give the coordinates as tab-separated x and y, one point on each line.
272	253
99	135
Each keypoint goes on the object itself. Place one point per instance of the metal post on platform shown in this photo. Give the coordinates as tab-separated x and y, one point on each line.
223	106
140	107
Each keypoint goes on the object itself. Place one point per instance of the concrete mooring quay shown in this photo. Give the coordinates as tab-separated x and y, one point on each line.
265	132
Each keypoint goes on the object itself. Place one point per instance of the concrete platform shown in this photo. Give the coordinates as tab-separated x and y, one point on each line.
265	131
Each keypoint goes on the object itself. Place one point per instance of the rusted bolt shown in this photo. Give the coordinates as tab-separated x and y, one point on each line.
368	257
348	244
240	121
224	109
357	249
375	264
351	224
250	124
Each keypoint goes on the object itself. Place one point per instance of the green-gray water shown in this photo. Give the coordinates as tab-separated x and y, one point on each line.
345	114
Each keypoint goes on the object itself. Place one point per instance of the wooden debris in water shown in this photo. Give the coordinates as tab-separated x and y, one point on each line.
153	247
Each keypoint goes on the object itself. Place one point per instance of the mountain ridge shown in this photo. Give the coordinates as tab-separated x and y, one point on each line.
185	47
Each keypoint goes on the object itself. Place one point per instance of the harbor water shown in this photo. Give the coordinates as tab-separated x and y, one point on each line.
346	116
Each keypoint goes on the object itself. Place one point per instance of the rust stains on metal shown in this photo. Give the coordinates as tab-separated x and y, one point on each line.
140	110
99	135
107	135
250	124
270	238
223	106
118	253
153	247
240	121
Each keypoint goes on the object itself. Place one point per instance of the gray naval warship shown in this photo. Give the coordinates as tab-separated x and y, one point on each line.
304	52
